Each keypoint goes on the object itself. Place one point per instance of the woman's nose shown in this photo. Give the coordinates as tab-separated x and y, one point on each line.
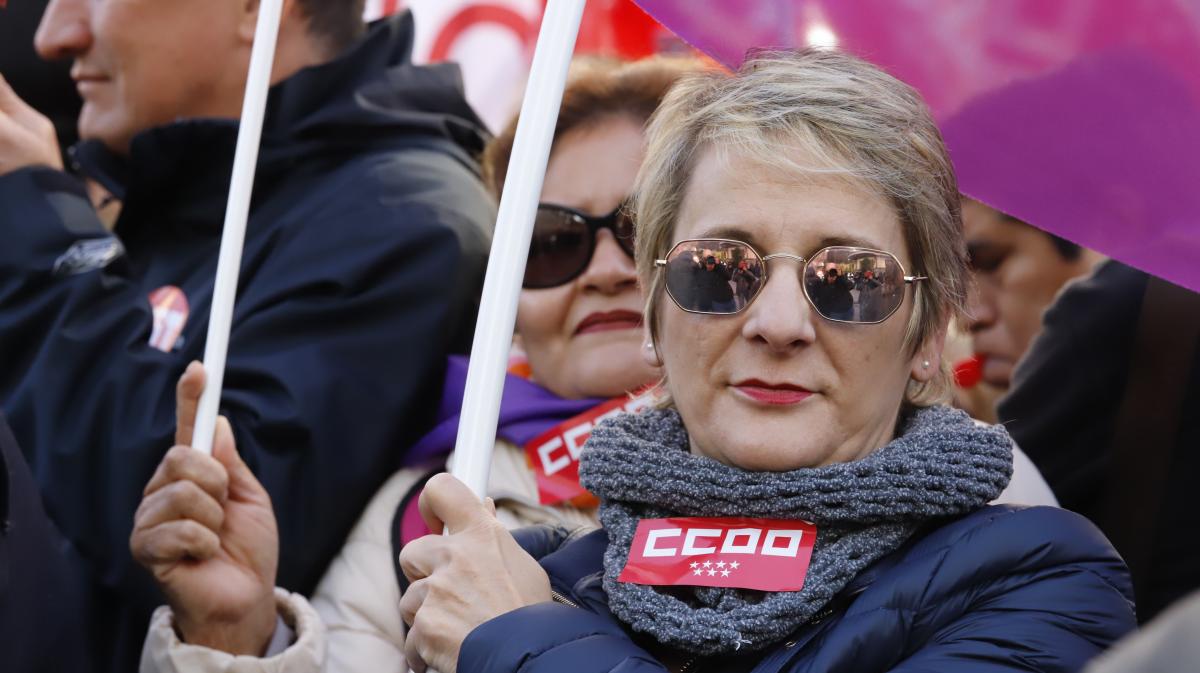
781	317
611	270
65	30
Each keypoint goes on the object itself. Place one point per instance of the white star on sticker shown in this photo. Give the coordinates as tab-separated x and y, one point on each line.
698	571
694	565
712	573
708	564
734	565
720	564
724	573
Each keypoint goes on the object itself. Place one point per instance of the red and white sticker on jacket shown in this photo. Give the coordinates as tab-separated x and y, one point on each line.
170	309
731	552
554	455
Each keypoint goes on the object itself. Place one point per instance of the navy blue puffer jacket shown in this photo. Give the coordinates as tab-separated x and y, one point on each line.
1003	589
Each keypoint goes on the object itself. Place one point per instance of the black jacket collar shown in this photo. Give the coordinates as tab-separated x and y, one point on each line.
370	98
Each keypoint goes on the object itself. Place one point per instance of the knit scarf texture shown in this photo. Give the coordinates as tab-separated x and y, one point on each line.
941	465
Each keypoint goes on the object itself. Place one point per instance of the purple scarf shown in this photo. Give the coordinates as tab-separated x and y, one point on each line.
526	411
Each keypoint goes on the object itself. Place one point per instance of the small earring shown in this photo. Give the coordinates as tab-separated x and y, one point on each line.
656	359
925	364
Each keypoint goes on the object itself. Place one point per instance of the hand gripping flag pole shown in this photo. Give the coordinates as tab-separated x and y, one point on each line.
510	244
245	159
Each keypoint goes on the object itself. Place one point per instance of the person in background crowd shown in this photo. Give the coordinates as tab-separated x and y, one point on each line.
579	321
745	281
711	281
1107	404
1017	270
363	260
835	292
776	412
869	300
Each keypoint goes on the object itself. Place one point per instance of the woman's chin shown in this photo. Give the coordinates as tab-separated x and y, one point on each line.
614	378
612	368
761	439
760	452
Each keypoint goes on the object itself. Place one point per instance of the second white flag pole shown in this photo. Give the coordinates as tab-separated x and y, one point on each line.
510	243
233	234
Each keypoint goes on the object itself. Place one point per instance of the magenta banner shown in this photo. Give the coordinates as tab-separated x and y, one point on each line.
1081	117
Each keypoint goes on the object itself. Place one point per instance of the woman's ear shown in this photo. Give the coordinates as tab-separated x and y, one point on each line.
927	361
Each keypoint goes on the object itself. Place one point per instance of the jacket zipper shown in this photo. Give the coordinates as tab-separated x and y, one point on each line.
689	665
559	598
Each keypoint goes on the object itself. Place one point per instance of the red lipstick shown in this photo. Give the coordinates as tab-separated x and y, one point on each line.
775	394
609	320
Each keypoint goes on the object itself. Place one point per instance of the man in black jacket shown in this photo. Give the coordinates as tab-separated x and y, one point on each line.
363	257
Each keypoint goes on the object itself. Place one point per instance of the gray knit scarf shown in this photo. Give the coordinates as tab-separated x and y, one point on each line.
639	465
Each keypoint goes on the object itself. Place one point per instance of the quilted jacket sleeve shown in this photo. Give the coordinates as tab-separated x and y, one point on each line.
1061	603
551	638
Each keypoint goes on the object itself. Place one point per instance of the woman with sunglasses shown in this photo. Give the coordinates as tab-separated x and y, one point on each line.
579	324
805	501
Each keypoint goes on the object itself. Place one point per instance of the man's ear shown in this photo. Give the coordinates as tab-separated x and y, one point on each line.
927	361
248	21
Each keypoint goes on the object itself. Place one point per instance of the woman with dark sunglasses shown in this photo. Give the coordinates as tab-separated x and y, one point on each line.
805	501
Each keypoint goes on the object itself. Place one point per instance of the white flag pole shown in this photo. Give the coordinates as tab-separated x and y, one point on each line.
245	159
510	244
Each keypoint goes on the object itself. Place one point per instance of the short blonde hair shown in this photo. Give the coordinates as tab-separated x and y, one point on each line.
858	122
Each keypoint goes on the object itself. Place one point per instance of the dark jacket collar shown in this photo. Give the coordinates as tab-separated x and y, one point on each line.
371	97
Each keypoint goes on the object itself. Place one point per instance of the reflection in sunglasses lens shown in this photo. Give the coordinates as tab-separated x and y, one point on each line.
843	283
854	284
713	276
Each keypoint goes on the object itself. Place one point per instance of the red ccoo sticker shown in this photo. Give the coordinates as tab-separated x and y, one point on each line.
731	552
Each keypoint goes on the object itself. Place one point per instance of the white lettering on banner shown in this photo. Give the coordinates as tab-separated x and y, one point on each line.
610	413
575	438
771	549
652	548
752	535
735	541
689	541
552	465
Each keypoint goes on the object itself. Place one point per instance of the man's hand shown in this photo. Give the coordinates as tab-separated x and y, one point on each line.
26	136
461	580
206	531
